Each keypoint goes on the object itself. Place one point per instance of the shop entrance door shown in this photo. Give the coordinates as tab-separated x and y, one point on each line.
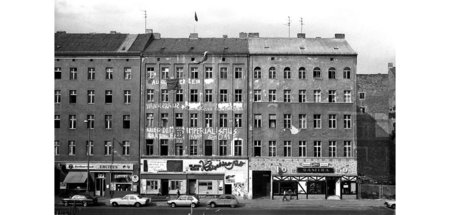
100	186
331	186
164	187
228	189
261	183
192	186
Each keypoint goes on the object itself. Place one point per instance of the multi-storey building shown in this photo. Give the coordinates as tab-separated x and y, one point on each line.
195	110
302	133
97	105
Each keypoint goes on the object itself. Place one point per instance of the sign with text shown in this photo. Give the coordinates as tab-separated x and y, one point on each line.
99	166
314	170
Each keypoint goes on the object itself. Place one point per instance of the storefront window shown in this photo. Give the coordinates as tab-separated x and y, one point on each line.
316	187
121	182
175	185
348	187
280	186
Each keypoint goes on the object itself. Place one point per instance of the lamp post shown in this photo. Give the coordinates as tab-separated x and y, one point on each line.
88	154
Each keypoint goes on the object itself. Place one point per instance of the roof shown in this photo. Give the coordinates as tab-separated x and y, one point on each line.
310	46
219	46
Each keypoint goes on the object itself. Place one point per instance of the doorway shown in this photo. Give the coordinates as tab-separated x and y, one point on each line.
228	189
100	185
331	186
164	187
192	186
261	183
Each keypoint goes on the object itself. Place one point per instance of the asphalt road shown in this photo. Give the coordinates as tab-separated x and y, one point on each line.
223	211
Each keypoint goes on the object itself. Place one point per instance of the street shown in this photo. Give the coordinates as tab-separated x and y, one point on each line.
225	211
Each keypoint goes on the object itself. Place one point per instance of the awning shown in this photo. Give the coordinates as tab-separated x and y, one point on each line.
76	177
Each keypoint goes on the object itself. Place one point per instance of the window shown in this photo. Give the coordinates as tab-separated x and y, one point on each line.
303	122
287	73
362	109
72	121
258	121
272	73
332	96
194	95
287	120
193	120
272	95
332	121
108	148
179	120
316	72
347	121
317	149
238	120
193	147
223	73
302	96
71	147
126	121
208	95
179	96
257	148
347	96
90	121
108	121
109	73
223	122
223	96
89	148
238	95
317	121
302	148
164	95
179	72
332	149
150	95
91	96
222	147
73	73
175	185
127	96
362	96
287	96
208	72
150	119
108	96
164	119
302	73
153	184
179	147
165	73
194	72
57	121
317	96
72	96
287	149
257	73
57	96
57	145
149	147
332	73
257	95
57	72
127	73
150	72
208	148
272	120
346	73
238	148
347	149
164	147
126	147
208	120
91	73
272	148
238	72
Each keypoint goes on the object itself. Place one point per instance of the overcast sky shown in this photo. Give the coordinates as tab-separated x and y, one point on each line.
368	26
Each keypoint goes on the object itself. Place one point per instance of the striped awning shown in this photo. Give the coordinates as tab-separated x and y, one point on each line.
76	177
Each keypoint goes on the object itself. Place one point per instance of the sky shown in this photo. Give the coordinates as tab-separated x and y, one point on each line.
368	26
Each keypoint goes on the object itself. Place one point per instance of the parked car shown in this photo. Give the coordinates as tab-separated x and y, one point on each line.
390	203
130	199
224	200
82	199
184	200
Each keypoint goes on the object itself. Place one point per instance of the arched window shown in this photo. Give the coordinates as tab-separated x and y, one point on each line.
316	72
332	73
347	73
257	73
302	73
287	73
272	73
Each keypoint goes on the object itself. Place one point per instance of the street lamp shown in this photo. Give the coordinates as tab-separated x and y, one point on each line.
88	154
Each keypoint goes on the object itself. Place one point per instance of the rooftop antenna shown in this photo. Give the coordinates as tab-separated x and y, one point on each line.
145	26
301	24
289	26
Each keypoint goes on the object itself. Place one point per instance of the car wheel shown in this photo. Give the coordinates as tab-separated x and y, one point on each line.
114	204
193	205
173	205
137	204
393	206
85	204
213	205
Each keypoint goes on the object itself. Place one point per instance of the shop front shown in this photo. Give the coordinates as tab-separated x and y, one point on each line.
203	177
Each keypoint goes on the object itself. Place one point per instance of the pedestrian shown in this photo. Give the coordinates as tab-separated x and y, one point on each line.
178	193
290	194
284	196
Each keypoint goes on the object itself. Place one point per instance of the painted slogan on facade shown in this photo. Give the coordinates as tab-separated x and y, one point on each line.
196	106
192	133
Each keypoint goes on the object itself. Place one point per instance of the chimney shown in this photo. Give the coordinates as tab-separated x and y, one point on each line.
301	35
225	36
242	35
148	31
253	35
156	36
339	36
193	36
390	65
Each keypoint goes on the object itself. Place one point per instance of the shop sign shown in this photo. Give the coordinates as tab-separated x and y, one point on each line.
230	179
306	164
208	165
134	178
315	170
323	164
99	166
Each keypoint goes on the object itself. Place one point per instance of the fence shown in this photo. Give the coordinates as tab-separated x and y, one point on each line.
377	191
